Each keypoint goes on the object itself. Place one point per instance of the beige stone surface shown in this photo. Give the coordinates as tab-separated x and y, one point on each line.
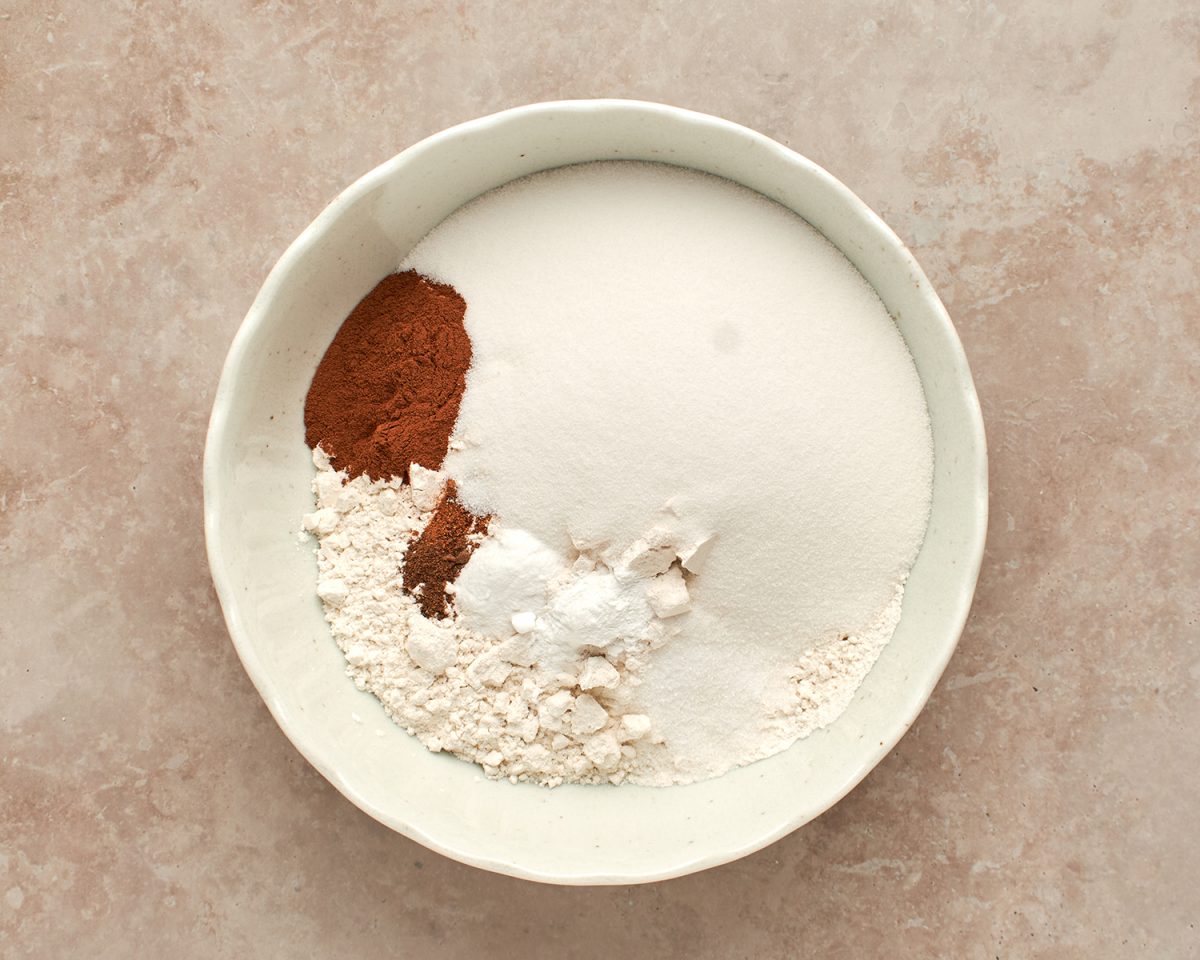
1041	159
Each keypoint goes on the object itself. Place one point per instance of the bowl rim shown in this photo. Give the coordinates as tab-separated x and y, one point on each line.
241	346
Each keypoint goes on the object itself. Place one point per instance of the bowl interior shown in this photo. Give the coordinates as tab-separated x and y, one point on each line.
258	470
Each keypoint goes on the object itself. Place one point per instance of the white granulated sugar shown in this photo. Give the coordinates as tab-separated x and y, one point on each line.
670	370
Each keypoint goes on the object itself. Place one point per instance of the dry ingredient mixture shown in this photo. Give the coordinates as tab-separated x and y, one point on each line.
619	479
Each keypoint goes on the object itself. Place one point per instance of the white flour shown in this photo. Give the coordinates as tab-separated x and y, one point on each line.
686	386
496	700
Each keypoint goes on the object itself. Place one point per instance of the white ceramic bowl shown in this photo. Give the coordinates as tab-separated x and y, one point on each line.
257	472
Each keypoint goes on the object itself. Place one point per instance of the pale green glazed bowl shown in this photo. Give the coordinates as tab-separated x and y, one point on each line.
257	472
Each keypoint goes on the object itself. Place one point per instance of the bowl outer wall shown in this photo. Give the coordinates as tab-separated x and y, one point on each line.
256	486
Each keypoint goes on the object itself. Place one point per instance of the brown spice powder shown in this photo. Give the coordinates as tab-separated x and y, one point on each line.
386	393
438	555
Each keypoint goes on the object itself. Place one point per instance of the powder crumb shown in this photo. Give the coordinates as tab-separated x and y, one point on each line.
668	594
634	726
693	557
587	716
598	672
427	486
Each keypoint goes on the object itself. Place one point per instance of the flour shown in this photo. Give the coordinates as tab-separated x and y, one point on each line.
539	705
822	682
707	459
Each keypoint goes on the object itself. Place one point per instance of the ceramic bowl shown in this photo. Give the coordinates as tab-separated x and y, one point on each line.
257	472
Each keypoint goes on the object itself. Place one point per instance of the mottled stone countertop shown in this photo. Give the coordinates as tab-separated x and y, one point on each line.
1040	158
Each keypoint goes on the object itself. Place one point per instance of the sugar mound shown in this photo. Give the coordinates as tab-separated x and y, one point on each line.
658	347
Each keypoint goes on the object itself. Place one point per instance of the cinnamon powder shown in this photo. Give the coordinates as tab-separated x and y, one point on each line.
386	393
385	396
439	554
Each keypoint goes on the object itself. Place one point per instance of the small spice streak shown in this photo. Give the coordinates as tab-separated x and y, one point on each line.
440	553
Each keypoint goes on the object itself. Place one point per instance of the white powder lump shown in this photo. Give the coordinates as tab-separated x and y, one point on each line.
667	594
506	577
431	646
598	672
